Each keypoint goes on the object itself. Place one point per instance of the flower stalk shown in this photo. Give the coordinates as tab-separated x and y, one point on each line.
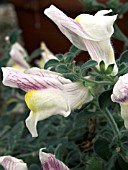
112	122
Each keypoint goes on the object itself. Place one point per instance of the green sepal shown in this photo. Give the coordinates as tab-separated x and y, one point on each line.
109	69
102	66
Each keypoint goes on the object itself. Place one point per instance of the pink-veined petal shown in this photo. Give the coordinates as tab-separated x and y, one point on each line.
12	163
120	95
69	27
77	95
47	73
14	78
50	162
63	21
120	90
74	38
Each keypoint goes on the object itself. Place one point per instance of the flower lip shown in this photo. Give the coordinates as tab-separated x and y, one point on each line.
119	100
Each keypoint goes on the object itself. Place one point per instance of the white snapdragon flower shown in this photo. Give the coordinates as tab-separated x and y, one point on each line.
88	32
47	93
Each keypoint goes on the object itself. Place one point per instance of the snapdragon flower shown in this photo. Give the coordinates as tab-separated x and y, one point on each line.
88	33
120	95
18	54
47	93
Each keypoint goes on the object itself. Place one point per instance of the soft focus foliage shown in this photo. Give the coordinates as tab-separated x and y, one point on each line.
92	137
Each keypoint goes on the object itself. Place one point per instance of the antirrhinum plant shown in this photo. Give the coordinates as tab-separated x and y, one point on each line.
78	111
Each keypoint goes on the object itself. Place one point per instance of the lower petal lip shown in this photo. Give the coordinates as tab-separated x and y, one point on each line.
119	100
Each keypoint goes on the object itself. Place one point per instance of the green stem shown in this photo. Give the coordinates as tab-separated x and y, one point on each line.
112	122
98	82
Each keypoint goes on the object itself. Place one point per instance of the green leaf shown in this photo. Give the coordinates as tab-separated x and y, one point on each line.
69	57
101	147
119	34
1	167
15	135
34	167
14	36
102	66
124	9
35	53
89	64
3	62
105	99
124	57
60	56
73	49
122	163
61	148
62	68
109	69
51	63
81	117
96	6
4	130
94	163
122	68
70	76
11	106
115	5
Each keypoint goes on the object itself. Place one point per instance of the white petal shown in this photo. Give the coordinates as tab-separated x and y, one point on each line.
120	90
77	95
99	27
18	54
49	162
102	50
11	163
74	38
47	54
19	48
124	113
14	78
43	104
31	123
103	12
